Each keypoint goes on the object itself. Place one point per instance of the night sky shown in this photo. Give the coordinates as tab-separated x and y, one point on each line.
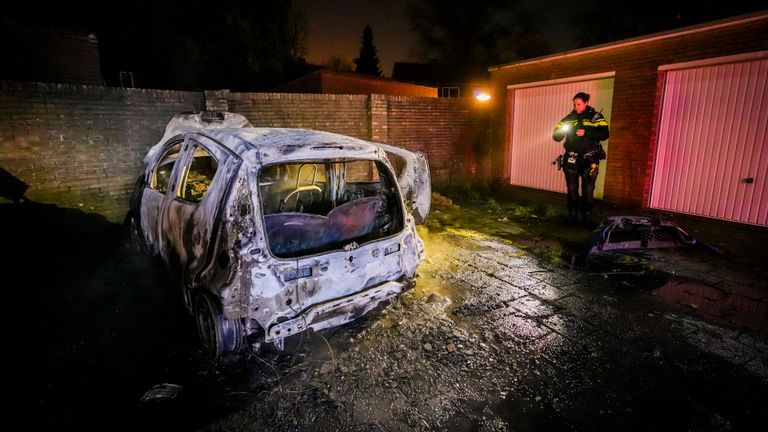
336	28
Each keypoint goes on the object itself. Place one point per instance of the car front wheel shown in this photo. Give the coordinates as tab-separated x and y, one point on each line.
217	333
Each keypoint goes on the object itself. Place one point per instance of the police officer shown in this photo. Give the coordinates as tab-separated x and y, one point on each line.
583	129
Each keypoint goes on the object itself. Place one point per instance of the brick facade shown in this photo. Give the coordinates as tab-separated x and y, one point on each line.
448	131
81	146
637	91
342	114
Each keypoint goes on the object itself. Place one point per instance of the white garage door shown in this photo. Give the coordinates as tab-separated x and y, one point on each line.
535	109
712	154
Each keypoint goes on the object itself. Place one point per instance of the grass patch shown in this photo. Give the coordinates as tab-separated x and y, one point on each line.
441	201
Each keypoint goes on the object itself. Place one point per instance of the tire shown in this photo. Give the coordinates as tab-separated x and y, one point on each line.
217	333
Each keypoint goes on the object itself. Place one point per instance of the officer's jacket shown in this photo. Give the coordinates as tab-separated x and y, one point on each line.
594	125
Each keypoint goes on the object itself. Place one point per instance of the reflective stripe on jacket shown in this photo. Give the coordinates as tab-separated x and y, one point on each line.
595	130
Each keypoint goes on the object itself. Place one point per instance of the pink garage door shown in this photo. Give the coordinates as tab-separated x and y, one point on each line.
712	156
535	109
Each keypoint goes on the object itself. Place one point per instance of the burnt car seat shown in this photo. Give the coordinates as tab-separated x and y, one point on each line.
352	219
293	233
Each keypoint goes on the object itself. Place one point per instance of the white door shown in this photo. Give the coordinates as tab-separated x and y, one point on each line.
712	154
535	110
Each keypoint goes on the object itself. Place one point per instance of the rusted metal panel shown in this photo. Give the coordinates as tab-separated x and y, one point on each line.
713	144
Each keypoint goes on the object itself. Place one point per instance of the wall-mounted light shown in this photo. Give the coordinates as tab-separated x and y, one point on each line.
482	95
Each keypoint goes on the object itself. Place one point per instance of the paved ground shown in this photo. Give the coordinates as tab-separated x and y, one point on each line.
507	329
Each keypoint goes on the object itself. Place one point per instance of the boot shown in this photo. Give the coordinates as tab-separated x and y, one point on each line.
571	220
586	220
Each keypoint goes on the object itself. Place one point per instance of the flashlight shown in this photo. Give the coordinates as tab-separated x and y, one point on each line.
565	127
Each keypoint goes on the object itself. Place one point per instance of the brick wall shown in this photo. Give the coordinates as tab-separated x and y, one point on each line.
81	146
636	96
343	114
448	131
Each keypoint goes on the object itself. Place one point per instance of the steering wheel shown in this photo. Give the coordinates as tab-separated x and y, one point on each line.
285	199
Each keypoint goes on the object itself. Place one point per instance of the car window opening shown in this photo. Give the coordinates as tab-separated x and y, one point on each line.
162	172
199	177
312	207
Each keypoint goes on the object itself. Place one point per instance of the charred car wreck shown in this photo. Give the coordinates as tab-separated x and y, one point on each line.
619	237
638	233
271	232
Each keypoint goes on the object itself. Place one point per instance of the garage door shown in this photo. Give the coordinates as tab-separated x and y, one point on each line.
535	109
712	154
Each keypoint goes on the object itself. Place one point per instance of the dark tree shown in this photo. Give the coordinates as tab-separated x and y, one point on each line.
368	61
470	36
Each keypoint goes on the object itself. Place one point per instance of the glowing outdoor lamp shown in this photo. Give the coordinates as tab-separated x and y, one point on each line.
482	96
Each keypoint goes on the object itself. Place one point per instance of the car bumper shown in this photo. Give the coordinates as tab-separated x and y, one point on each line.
337	311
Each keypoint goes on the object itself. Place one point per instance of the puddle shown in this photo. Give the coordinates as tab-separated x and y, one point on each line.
714	304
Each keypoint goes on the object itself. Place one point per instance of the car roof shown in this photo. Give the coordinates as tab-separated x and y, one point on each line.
268	145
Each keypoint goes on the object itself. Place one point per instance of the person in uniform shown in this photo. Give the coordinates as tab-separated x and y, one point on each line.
583	129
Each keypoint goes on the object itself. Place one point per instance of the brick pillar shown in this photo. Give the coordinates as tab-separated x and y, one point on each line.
217	100
377	117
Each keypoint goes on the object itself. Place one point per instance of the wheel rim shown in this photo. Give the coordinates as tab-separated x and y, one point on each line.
217	333
206	327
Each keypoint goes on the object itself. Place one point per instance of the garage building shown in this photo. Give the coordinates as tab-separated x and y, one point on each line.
688	112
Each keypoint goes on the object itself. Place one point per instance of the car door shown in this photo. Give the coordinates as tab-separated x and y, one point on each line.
192	219
412	169
159	183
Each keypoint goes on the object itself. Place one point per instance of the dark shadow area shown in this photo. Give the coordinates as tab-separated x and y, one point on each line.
99	325
102	325
11	187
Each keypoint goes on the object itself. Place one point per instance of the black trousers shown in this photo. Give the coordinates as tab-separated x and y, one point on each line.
579	169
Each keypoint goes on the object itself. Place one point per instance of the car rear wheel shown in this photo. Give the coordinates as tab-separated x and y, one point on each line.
217	333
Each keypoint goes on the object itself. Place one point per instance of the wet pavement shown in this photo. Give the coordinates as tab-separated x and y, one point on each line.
506	329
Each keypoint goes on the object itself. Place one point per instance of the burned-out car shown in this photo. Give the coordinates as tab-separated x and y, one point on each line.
623	242
627	233
271	232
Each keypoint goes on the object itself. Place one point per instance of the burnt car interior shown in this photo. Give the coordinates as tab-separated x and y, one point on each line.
317	206
162	173
197	179
199	176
